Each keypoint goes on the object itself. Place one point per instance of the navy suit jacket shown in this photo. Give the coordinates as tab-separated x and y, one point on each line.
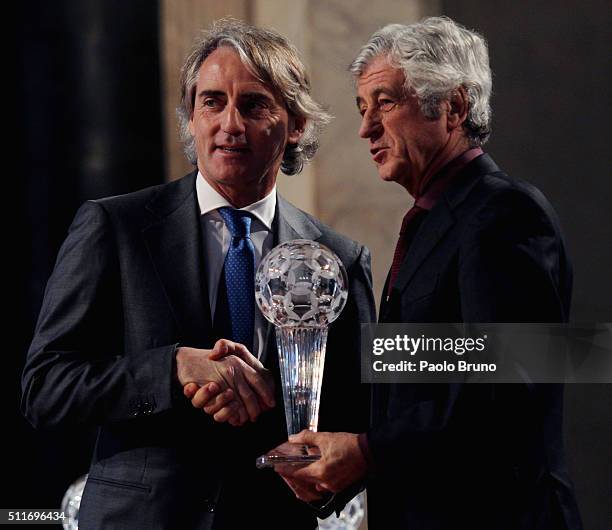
128	286
478	456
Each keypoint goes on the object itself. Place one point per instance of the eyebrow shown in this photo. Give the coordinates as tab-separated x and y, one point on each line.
219	93
375	93
213	93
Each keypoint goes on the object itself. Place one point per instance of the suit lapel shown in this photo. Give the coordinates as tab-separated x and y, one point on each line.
175	247
290	223
437	223
433	229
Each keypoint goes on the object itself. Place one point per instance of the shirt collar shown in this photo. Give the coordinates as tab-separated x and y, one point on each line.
210	200
437	185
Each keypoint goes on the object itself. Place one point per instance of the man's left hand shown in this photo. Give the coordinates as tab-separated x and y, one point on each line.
342	463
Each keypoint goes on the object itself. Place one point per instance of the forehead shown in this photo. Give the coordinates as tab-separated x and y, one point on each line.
223	68
379	74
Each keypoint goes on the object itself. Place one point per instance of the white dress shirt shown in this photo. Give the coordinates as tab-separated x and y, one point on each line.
217	239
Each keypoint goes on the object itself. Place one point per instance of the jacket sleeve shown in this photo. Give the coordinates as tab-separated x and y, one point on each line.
514	267
76	370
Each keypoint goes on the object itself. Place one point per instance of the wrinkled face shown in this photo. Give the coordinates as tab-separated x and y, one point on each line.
241	127
403	142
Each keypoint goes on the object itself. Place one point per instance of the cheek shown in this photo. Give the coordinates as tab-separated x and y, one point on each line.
401	146
275	136
274	128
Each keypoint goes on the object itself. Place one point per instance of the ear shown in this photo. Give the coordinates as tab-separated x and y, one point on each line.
191	125
296	129
457	109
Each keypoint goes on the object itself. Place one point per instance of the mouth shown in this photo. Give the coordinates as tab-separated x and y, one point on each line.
378	153
232	149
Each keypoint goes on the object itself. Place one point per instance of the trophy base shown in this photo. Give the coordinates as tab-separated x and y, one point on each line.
288	454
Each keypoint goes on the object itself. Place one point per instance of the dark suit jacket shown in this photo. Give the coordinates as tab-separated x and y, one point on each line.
477	456
128	286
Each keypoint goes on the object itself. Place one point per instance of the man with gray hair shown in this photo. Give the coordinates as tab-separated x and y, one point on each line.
476	246
149	315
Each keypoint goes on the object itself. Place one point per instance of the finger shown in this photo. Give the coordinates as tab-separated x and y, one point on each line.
190	389
309	474
234	421
241	351
204	396
305	437
248	397
211	388
304	492
313	450
228	412
235	408
221	348
220	401
263	388
285	470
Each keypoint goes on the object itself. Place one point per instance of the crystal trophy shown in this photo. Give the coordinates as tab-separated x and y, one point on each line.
301	287
71	503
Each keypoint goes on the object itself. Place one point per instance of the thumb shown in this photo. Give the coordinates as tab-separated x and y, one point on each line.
220	349
304	437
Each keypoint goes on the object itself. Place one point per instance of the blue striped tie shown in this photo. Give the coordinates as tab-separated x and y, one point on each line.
239	272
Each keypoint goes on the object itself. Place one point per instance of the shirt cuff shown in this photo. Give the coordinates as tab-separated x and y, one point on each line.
177	389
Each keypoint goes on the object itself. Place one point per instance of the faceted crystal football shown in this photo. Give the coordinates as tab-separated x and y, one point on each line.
301	283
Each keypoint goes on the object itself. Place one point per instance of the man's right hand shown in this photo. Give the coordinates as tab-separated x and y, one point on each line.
227	382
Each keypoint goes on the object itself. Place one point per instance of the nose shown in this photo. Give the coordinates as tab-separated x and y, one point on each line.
370	124
232	121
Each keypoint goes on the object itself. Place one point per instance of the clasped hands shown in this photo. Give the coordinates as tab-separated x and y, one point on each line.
227	382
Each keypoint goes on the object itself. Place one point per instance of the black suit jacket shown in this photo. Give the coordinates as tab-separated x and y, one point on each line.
476	456
128	286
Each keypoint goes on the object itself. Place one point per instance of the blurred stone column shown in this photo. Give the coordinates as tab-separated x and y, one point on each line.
180	23
349	194
292	19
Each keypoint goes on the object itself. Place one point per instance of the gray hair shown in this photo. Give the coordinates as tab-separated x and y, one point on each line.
437	55
273	61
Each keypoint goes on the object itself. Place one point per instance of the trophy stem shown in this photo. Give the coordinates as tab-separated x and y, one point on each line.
301	352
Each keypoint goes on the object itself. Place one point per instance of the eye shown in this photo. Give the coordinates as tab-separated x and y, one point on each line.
255	106
386	104
210	103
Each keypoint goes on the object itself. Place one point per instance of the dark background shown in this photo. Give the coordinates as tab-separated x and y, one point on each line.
87	105
87	110
551	126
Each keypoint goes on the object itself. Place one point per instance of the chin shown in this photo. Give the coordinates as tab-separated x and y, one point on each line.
398	173
386	175
232	175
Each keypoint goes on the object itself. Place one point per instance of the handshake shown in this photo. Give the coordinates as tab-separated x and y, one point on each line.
231	385
227	382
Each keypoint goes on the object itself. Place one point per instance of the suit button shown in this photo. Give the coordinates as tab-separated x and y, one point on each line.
209	506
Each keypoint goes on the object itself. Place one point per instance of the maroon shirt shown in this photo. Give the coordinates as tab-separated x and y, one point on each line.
430	190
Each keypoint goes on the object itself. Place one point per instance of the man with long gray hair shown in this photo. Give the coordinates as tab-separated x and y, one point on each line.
476	246
149	315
